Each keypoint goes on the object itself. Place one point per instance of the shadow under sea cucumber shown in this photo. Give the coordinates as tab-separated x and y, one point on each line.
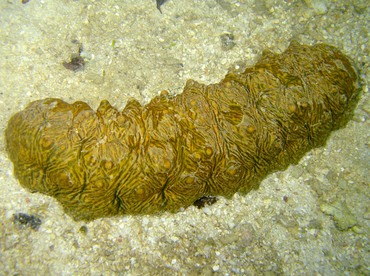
210	140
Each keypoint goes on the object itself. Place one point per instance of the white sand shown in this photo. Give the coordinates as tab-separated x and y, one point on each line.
322	228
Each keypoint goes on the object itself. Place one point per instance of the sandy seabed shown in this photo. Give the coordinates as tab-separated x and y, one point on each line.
312	219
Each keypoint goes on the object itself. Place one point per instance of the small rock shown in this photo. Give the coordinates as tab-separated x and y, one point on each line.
27	220
319	6
227	41
342	216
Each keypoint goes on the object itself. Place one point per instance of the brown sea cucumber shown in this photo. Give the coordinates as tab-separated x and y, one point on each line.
210	140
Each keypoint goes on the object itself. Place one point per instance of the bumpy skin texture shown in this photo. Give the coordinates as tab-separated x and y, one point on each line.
210	140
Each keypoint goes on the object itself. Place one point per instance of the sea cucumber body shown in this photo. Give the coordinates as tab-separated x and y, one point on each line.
213	139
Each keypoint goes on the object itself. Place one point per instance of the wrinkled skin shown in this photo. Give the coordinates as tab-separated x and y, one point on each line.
210	140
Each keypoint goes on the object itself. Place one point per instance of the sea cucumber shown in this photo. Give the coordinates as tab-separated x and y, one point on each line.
210	140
